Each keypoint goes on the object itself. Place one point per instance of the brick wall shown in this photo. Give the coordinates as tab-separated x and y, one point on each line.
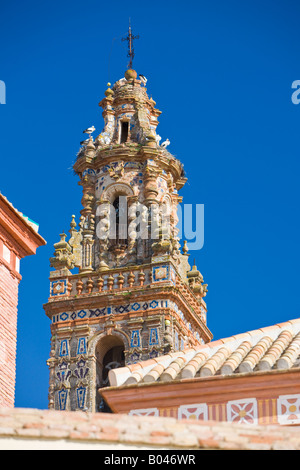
18	238
33	429
8	337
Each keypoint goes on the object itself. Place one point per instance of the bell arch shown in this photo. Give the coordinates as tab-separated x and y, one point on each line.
109	354
116	189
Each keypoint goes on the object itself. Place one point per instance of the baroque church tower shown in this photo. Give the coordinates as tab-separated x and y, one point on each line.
122	289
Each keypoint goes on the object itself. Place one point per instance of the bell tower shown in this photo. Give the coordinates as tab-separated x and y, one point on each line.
122	289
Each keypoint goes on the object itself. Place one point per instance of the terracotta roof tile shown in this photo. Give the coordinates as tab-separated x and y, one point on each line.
252	359
290	355
273	347
173	370
275	351
154	374
215	362
193	366
234	360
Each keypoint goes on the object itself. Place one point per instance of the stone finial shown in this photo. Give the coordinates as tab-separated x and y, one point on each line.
151	140
90	148
130	74
109	92
185	248
195	280
73	223
63	254
103	266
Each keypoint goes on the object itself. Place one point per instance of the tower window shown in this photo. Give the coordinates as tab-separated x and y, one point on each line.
120	206
124	132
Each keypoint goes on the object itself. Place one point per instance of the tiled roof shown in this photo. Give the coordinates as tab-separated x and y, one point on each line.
273	347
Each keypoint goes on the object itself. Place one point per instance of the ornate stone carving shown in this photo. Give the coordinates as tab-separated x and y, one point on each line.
131	298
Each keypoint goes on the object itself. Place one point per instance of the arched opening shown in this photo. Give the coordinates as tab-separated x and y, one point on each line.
124	132
113	359
121	213
109	355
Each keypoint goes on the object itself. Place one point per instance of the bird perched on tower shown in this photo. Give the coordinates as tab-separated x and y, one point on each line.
89	130
165	143
143	79
157	138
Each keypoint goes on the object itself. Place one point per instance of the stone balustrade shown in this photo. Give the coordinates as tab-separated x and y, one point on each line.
90	283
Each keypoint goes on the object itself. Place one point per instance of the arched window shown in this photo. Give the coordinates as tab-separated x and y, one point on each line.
121	213
109	355
113	359
124	132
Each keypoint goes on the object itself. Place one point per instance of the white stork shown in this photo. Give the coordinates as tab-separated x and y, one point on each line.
165	144
89	130
143	79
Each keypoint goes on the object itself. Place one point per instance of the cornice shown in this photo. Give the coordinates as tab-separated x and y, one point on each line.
261	384
18	229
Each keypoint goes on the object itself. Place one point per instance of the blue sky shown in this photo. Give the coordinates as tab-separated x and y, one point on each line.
221	73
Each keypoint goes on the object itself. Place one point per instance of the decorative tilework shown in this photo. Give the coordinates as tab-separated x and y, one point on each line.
247	411
288	409
144	412
81	348
89	171
81	394
58	287
118	309
63	316
81	314
81	370
242	411
136	306
122	308
63	374
135	357
176	341
196	411
153	336
135	340
160	273
174	306
62	399
153	354
98	312
64	348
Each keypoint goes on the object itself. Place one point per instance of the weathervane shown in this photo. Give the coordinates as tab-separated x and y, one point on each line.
130	39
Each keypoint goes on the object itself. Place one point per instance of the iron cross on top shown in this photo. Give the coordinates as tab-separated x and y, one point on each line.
130	39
